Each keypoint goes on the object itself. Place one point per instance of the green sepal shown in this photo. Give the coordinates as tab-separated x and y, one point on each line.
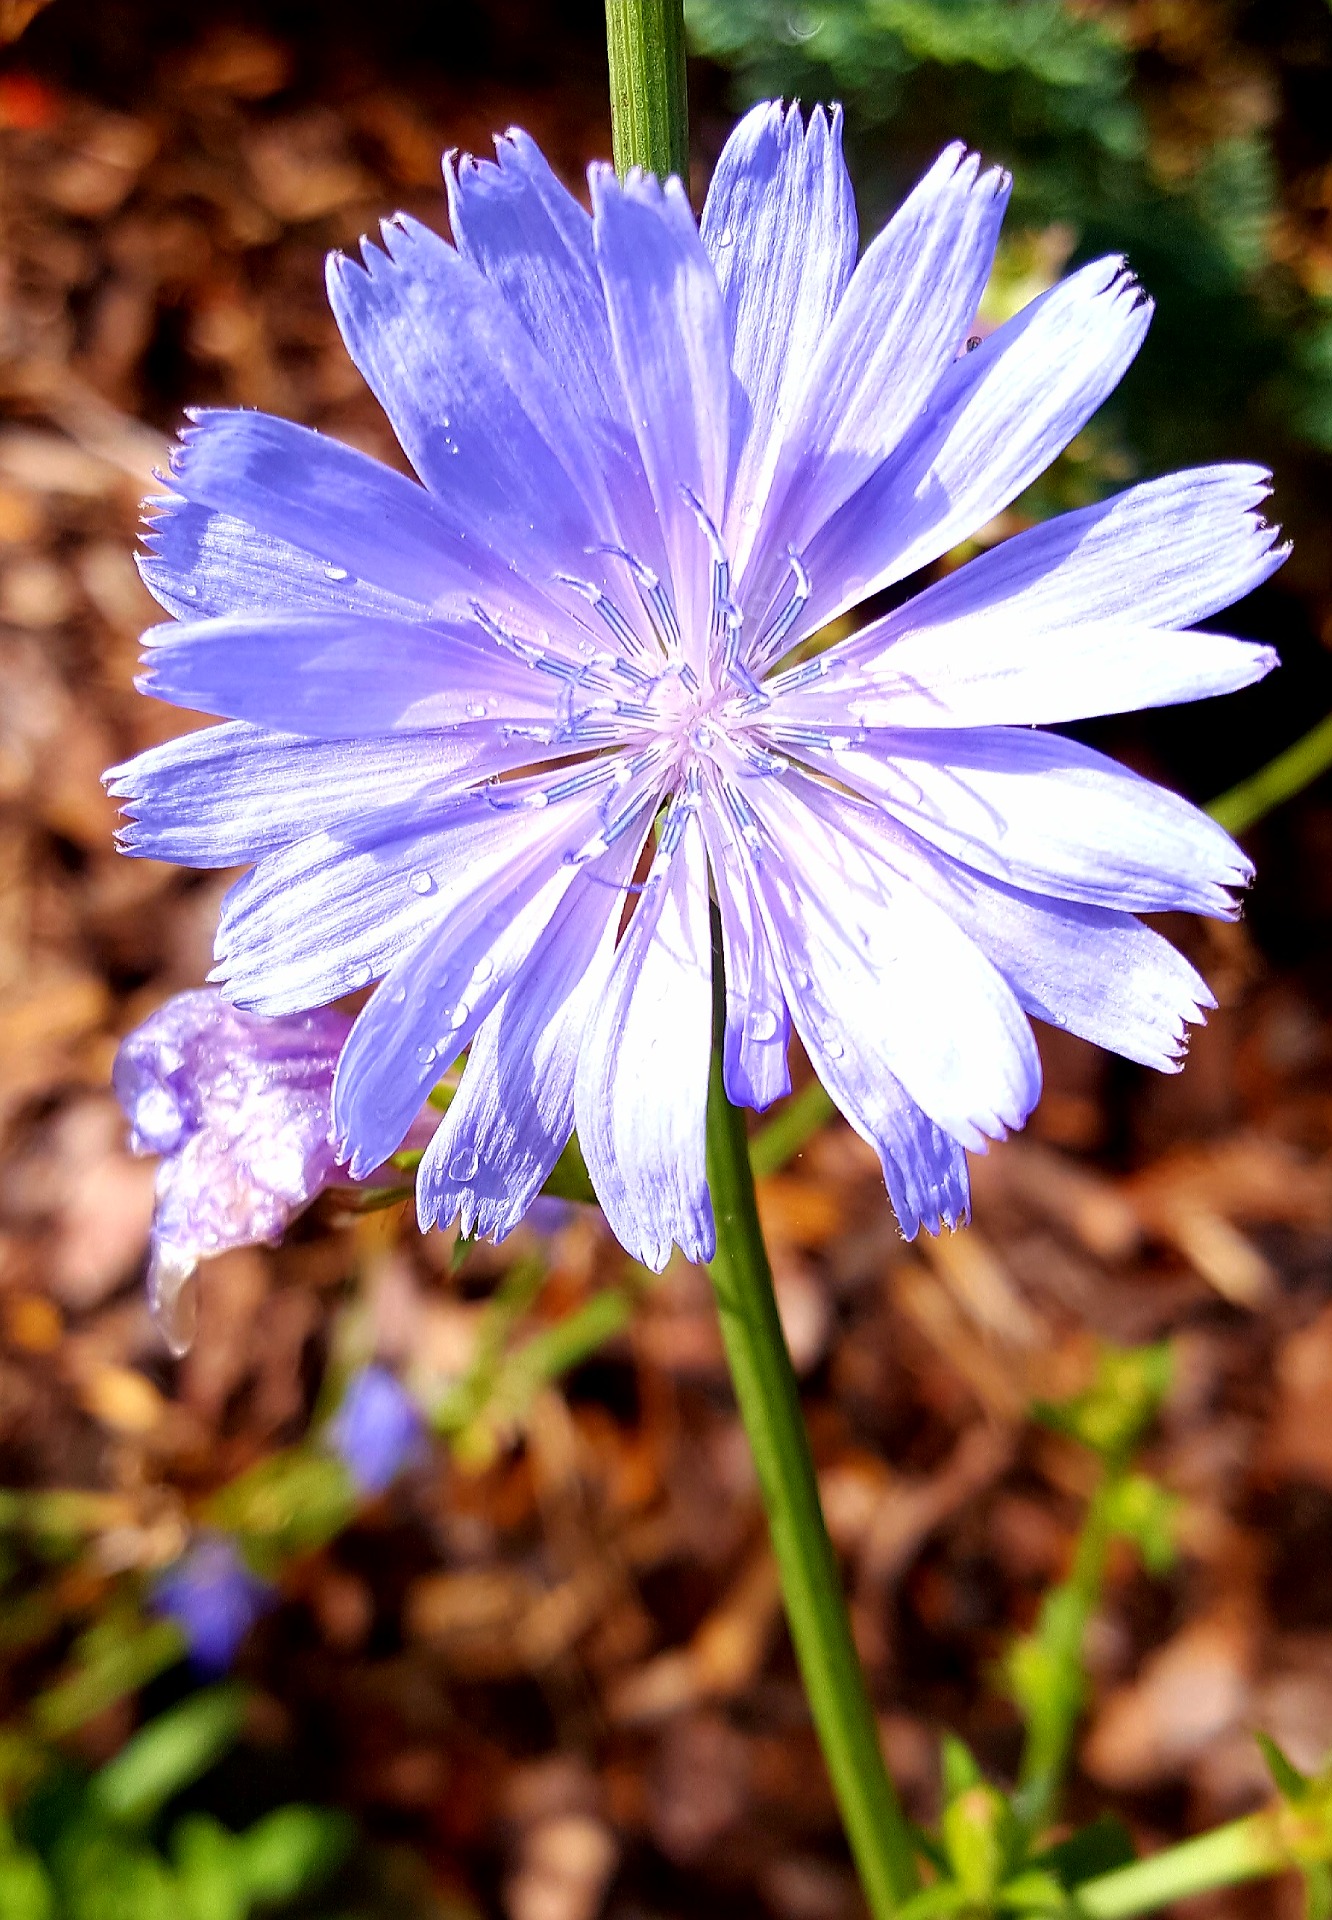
983	1840
569	1178
1290	1783
379	1199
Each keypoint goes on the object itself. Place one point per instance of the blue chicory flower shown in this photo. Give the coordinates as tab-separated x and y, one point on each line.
378	1430
214	1599
493	740
239	1108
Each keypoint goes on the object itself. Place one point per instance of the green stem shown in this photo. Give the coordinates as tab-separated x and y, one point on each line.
769	1401
1054	1703
1278	1838
1281	779
645	41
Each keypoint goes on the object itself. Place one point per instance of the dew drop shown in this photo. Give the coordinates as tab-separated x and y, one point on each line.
464	1164
476	710
462	1013
335	573
799	978
484	968
537	798
763	1024
422	883
173	1295
190	592
360	976
426	1056
833	1047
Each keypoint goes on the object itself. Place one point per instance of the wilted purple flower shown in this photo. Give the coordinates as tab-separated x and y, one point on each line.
239	1109
657	458
378	1430
214	1599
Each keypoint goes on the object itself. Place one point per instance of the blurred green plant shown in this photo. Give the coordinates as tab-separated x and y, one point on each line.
1240	355
992	1853
104	1847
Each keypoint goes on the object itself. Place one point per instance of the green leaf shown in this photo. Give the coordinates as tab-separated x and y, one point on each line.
294	1849
25	1890
1318	1893
960	1770
168	1754
1115	1411
982	1838
287	1504
1141	1510
1098	1848
211	1864
112	1663
101	1874
1032	1891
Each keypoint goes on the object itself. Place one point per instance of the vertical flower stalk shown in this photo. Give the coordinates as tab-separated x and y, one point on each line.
769	1402
649	114
645	45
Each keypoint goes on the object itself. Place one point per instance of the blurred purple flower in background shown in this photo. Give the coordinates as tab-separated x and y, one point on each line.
239	1109
214	1599
378	1429
657	457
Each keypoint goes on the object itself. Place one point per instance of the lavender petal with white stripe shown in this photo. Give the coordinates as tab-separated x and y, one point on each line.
492	740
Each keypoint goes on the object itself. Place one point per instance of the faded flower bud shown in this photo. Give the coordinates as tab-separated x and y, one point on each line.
238	1106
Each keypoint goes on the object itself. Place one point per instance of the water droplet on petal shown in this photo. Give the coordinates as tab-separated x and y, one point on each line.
833	1047
463	1165
476	709
422	883
462	1013
483	969
360	976
763	1024
799	978
173	1295
190	592
426	1056
538	798
335	573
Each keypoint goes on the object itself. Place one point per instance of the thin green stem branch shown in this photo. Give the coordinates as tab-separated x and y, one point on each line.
645	41
1249	1849
782	1138
1281	779
769	1401
1055	1702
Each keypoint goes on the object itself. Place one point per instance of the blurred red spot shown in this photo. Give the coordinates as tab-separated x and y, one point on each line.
27	102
